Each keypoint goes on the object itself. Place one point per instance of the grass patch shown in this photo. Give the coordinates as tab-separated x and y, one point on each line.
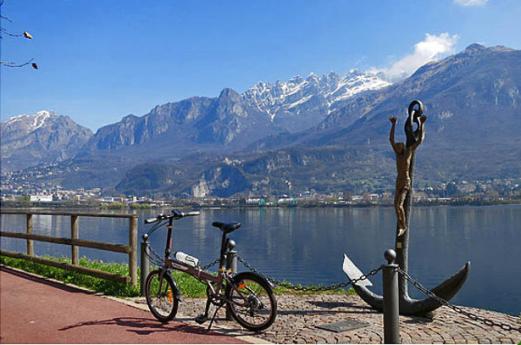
280	290
189	286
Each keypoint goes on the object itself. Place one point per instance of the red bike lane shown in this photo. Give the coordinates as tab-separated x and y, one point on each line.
33	310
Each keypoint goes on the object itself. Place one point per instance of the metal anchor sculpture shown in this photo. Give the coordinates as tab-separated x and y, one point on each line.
403	198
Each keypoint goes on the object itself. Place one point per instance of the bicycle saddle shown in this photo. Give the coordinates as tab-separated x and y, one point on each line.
227	227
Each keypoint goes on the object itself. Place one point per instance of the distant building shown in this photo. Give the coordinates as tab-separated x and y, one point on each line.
286	201
256	202
40	198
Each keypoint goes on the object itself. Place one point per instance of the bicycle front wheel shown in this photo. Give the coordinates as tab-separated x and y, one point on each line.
251	301
160	293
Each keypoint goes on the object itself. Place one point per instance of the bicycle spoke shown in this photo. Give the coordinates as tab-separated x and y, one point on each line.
250	302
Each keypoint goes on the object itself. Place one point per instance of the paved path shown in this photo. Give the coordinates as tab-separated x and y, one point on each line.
299	316
33	310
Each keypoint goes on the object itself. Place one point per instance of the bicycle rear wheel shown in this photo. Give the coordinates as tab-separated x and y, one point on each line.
161	295
251	301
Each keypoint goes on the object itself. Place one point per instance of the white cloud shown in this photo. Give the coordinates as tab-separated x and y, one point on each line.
468	3
432	48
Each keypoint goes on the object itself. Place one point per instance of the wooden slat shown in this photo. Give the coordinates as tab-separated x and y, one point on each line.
79	214
119	248
69	267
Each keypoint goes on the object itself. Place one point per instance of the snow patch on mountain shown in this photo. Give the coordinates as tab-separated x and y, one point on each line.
294	94
31	122
40	118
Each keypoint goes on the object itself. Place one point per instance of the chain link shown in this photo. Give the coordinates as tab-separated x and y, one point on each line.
154	258
309	288
157	260
457	309
204	268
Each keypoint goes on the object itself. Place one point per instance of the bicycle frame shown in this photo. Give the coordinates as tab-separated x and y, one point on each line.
196	272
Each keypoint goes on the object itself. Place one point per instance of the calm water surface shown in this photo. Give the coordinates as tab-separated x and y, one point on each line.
307	245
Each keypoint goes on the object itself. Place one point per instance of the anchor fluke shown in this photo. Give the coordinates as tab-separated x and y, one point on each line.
408	306
446	290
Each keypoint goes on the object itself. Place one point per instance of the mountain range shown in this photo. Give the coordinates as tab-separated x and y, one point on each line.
41	138
322	133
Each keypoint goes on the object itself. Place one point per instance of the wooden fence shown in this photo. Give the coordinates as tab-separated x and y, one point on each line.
75	243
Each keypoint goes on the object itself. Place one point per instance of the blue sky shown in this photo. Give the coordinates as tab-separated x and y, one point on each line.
101	60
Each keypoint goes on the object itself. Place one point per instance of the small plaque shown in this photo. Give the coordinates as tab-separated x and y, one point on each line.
343	326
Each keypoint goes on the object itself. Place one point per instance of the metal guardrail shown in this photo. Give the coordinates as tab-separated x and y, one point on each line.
75	243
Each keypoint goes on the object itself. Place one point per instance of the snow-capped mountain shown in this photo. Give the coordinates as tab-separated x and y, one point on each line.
239	143
232	121
473	105
301	103
26	123
43	137
226	123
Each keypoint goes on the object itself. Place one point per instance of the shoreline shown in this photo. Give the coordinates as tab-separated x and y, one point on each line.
61	206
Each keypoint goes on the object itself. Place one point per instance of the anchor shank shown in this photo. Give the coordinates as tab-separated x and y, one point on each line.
402	243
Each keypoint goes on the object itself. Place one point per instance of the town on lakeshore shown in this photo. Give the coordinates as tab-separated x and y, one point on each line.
480	192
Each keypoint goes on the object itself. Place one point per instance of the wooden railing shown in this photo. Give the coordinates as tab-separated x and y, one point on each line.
75	243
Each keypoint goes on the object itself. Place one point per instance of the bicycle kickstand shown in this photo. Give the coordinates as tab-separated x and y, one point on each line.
200	319
213	317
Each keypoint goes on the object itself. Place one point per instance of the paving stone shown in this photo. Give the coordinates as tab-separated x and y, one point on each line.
298	316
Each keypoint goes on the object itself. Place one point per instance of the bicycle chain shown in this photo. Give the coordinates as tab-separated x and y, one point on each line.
457	309
310	288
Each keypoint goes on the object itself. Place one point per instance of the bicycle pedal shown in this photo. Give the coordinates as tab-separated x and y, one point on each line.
201	319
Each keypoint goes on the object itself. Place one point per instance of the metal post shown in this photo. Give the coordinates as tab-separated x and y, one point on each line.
29	230
145	264
132	255
74	236
390	299
231	264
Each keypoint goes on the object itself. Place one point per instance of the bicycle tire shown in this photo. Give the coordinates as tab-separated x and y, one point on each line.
168	295
253	297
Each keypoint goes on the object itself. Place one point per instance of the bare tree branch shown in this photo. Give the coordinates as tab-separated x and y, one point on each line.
4	17
24	34
14	64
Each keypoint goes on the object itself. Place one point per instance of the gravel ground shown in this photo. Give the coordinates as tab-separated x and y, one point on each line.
299	315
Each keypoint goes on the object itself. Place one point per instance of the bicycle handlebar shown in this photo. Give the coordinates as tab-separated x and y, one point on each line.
176	214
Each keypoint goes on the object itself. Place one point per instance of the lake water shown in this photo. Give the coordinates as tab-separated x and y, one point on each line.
306	245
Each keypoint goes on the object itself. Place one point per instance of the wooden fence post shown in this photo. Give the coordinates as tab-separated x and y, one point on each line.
74	236
132	255
29	230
